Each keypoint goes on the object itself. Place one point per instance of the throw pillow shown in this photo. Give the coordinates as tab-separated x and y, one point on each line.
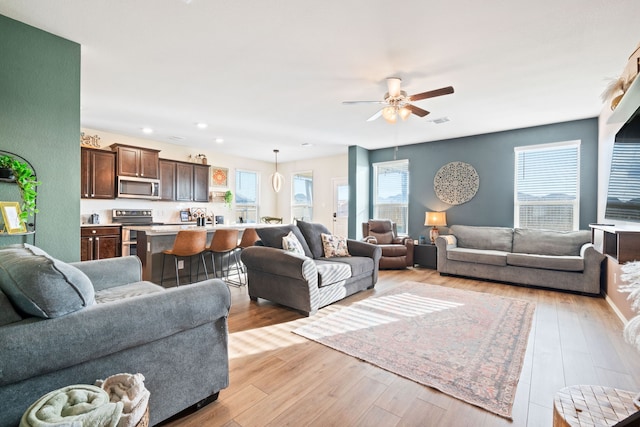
40	285
334	246
291	243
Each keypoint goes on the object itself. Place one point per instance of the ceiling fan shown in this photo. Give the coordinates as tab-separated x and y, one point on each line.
399	104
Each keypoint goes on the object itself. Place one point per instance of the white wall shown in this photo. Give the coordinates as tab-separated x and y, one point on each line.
271	204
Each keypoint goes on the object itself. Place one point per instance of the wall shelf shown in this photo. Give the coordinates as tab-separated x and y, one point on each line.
620	243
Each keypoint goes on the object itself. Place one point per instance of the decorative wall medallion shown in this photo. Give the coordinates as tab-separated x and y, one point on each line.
219	176
456	183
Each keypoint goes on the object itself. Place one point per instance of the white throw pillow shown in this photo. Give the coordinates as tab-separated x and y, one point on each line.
291	243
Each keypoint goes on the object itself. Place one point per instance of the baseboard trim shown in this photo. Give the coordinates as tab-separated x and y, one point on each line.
615	309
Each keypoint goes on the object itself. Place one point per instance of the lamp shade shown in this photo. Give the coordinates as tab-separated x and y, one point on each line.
435	219
276	181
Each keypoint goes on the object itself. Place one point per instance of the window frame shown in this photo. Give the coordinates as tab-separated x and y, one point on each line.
403	228
517	204
295	205
242	208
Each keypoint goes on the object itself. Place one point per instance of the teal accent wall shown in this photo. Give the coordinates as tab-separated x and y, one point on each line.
359	179
493	158
40	121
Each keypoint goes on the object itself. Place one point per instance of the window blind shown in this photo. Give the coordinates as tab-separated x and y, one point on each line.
547	186
623	195
391	192
247	196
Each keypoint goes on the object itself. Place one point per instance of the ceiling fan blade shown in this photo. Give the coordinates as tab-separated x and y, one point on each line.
363	102
432	93
393	84
417	110
375	116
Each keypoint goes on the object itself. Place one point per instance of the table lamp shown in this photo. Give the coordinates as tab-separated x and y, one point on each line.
434	219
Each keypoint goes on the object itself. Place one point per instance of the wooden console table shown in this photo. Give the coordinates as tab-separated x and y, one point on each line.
620	243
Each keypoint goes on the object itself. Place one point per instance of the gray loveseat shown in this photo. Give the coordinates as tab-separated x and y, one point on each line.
311	281
63	324
545	258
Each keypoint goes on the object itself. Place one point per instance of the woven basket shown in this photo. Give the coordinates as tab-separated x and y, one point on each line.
144	421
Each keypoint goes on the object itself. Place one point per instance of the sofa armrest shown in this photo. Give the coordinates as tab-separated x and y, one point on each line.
110	272
275	261
357	248
39	346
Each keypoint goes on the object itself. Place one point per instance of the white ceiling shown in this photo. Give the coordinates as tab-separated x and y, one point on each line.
273	73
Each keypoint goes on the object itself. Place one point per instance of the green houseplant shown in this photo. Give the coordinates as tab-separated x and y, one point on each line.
27	183
228	198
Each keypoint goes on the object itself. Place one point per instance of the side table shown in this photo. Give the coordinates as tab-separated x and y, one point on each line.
426	256
590	405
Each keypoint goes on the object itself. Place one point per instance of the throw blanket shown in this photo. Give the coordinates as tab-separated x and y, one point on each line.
78	405
130	391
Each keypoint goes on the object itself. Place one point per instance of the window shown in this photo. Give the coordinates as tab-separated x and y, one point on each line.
247	196
391	192
623	196
302	196
547	189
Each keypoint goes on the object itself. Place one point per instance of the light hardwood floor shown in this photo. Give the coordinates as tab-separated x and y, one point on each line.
278	378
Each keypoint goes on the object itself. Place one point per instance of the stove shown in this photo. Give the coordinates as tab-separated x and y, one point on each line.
128	218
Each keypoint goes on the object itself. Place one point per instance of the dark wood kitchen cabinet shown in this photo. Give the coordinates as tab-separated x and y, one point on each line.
167	179
97	171
136	161
192	182
100	243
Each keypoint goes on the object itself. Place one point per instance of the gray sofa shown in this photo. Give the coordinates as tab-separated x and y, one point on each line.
544	258
63	324
311	281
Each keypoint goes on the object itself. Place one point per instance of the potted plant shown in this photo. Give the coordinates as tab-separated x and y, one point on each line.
26	181
228	198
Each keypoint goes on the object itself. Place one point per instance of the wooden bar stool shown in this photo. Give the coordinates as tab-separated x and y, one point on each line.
224	242
187	244
249	238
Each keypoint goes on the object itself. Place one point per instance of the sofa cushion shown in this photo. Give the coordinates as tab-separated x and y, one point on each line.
478	256
473	237
332	272
129	290
334	246
311	232
8	314
549	242
547	262
393	250
272	237
359	265
40	285
291	243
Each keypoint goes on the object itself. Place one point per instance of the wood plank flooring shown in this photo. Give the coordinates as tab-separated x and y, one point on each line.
280	379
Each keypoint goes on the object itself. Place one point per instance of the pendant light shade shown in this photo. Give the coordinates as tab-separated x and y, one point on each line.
277	179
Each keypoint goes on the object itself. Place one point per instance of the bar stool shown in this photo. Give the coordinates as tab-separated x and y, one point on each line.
224	242
187	244
249	238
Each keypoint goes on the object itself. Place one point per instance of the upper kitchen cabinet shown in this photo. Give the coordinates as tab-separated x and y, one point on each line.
97	171
191	182
167	179
136	161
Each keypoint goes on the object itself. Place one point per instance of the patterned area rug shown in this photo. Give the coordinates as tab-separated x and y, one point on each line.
467	344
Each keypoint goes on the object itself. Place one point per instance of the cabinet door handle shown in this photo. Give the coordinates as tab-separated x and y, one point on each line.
93	231
97	248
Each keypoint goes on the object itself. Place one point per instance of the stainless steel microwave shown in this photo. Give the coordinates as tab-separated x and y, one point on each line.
138	188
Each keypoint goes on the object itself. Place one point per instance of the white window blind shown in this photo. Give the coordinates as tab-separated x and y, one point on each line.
391	192
247	196
547	193
623	195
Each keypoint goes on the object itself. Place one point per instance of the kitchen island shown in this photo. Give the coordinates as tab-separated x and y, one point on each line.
153	239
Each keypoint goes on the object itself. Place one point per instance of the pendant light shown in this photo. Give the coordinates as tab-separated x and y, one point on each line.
277	178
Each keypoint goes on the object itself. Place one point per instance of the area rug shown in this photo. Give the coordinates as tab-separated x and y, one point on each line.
470	345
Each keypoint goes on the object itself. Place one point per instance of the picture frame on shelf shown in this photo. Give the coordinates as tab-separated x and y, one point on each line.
219	176
11	216
184	216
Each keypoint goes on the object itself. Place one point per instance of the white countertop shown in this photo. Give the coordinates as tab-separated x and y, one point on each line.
161	230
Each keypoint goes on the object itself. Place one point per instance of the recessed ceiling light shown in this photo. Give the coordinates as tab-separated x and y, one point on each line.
219	140
201	125
307	144
147	130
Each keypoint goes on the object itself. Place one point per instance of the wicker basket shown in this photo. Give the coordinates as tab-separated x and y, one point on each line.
144	421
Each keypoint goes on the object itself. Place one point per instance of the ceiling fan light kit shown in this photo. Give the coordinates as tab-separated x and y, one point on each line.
399	104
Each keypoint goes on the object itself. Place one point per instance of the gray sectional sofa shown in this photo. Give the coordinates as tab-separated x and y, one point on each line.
64	324
544	258
310	281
